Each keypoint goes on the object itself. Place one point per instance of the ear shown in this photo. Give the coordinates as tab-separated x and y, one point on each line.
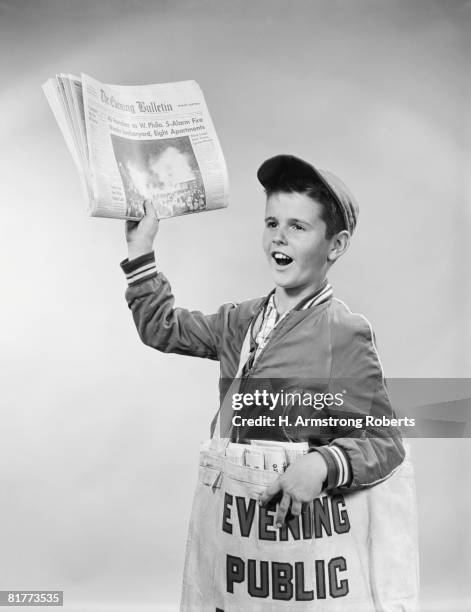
338	245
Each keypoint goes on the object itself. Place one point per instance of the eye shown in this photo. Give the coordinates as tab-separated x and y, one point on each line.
270	224
297	227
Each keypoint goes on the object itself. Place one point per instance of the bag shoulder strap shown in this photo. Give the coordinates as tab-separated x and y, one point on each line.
233	388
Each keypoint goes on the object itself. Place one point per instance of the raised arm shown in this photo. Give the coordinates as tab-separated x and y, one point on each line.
159	323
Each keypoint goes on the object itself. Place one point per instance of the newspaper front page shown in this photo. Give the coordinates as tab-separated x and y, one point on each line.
152	142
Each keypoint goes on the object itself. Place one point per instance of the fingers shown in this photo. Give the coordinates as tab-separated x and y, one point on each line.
288	507
270	492
149	209
283	509
130	225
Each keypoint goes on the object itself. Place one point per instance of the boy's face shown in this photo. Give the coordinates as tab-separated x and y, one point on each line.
294	229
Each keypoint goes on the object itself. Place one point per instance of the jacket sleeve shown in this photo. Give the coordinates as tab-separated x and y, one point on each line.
163	326
375	449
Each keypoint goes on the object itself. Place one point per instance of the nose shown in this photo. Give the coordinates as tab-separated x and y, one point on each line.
279	236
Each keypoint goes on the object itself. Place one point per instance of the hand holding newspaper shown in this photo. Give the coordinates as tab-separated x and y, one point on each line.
133	144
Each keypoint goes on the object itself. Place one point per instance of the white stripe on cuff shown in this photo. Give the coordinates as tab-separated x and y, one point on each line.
338	462
137	271
343	474
142	273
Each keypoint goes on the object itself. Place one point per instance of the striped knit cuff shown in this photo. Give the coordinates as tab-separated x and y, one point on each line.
139	269
338	466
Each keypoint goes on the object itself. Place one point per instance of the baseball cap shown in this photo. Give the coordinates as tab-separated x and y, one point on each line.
287	166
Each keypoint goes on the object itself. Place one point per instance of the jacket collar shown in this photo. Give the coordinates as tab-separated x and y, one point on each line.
319	296
315	298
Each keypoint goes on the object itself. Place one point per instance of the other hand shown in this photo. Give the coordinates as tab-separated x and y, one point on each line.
300	484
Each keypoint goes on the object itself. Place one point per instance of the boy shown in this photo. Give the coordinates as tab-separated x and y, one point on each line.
299	333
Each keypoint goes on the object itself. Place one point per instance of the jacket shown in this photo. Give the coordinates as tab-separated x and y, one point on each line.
317	350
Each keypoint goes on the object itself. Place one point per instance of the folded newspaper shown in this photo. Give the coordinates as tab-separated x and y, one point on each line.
133	144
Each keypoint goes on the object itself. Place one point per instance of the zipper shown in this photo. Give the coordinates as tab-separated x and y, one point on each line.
244	379
270	340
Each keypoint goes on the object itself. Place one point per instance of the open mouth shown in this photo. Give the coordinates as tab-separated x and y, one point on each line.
281	259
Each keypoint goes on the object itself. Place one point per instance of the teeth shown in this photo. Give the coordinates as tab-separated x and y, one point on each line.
281	259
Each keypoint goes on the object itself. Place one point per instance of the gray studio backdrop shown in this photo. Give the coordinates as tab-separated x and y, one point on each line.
100	434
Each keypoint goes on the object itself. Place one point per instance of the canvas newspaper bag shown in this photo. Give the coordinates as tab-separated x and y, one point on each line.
350	551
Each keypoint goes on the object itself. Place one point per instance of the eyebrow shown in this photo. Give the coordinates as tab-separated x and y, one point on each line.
292	220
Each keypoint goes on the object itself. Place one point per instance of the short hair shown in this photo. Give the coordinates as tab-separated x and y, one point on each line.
331	214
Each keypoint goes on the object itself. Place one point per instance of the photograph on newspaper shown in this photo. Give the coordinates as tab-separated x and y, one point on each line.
164	172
